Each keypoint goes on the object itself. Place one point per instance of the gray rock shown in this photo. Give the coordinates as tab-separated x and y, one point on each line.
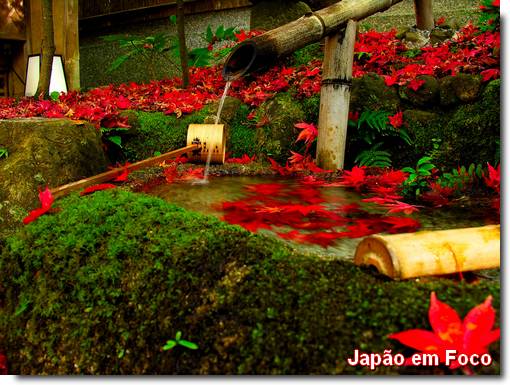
46	152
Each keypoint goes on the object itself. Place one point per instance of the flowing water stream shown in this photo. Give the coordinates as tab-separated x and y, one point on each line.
205	179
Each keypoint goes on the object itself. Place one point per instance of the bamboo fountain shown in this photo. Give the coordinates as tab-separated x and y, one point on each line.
399	256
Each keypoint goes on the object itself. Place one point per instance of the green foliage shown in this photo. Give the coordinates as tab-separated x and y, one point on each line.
489	19
54	96
3	153
170	344
203	56
113	135
145	48
96	284
373	129
418	177
412	53
460	178
374	157
373	125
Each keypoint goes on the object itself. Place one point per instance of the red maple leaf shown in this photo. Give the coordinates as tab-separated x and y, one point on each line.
296	158
308	133
3	365
472	336
401	224
400	207
97	187
493	179
46	200
492	73
415	84
354	178
397	120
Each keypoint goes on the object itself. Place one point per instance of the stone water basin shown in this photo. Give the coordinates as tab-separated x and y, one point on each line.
208	199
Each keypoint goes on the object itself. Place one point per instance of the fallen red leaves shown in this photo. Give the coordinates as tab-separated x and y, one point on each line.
46	200
380	52
97	187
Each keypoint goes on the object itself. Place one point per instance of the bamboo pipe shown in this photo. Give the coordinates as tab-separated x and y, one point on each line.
111	174
262	50
423	253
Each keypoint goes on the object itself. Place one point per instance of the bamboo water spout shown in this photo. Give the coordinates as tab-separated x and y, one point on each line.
262	50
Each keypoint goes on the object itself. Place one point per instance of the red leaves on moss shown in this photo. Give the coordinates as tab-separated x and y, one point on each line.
471	336
97	187
245	159
46	200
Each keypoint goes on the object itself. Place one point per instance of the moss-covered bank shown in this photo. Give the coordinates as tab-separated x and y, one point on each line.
101	285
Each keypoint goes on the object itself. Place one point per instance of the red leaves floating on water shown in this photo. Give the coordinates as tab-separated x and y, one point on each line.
46	200
97	187
283	206
472	336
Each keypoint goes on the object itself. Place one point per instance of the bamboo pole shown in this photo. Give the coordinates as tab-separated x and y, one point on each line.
335	96
424	15
403	256
109	175
262	50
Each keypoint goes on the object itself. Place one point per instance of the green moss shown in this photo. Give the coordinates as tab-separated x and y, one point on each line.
370	92
155	131
242	138
99	287
277	137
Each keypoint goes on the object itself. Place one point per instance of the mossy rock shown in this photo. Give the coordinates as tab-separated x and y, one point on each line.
426	96
266	15
370	92
447	95
467	87
155	131
46	152
468	134
473	132
440	34
277	137
243	135
100	286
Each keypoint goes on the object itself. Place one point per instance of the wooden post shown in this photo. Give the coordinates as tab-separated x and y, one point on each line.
47	48
335	96
71	45
424	15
